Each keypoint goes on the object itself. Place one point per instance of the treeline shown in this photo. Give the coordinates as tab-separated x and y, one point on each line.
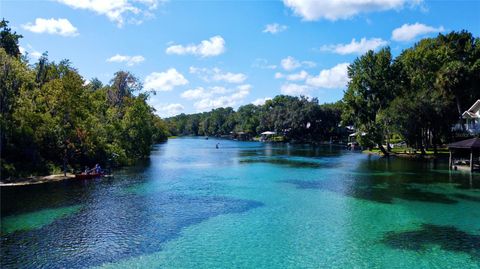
52	119
419	95
295	118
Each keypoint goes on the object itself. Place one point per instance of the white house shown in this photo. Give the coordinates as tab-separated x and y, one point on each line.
472	118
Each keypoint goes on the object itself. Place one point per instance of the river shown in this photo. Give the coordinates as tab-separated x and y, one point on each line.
249	205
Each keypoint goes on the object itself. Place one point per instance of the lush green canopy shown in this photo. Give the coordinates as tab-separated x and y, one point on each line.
51	117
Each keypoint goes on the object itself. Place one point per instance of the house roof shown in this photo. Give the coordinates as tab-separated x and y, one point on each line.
469	115
355	134
471	112
472	143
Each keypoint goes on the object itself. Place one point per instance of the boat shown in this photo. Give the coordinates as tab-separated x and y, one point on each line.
89	176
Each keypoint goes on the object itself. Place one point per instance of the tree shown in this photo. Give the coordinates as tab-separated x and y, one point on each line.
247	118
9	40
123	85
51	120
371	88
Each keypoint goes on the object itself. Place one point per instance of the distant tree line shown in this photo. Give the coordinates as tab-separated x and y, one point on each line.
51	118
295	118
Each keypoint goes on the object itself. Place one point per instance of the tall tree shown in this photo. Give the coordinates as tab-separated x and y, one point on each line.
371	88
9	40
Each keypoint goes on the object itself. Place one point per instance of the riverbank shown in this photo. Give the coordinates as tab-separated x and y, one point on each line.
36	180
403	153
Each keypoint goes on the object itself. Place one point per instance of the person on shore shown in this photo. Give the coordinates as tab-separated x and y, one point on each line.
87	170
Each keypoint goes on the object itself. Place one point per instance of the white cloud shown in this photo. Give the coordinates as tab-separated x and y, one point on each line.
129	60
263	64
274	28
308	64
196	93
356	47
164	81
302	75
279	75
311	10
219	90
212	99
216	74
261	101
52	26
295	89
117	11
170	109
206	48
409	32
35	54
291	63
230	77
30	51
334	78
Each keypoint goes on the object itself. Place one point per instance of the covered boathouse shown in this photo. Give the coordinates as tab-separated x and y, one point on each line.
465	154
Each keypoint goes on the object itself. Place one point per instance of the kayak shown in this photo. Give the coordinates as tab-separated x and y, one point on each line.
88	176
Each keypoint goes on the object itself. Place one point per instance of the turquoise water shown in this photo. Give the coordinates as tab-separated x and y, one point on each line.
249	205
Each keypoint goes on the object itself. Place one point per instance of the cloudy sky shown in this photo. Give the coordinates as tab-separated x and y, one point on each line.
199	55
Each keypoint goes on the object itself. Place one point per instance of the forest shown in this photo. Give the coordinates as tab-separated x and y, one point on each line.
52	119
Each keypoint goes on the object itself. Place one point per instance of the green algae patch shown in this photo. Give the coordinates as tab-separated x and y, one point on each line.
35	220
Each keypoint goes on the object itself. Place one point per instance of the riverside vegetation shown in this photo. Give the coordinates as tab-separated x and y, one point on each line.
52	118
415	97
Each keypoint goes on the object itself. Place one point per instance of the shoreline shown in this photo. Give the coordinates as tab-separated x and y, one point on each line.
408	155
35	180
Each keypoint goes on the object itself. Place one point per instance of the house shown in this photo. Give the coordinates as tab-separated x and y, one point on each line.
472	119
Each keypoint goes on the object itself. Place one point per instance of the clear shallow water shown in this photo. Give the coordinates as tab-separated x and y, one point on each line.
249	205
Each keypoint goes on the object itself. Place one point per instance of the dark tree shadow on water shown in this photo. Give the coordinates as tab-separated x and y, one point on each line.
467	197
288	162
374	192
447	237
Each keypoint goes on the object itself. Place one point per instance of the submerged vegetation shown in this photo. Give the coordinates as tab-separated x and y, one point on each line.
52	119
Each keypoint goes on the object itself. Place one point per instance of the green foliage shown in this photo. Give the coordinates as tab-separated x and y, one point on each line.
419	95
9	40
443	80
373	85
295	118
50	118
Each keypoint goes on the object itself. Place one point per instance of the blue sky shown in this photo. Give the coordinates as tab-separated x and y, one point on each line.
199	55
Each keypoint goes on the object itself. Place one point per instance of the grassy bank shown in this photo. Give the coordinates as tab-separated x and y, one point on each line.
412	153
